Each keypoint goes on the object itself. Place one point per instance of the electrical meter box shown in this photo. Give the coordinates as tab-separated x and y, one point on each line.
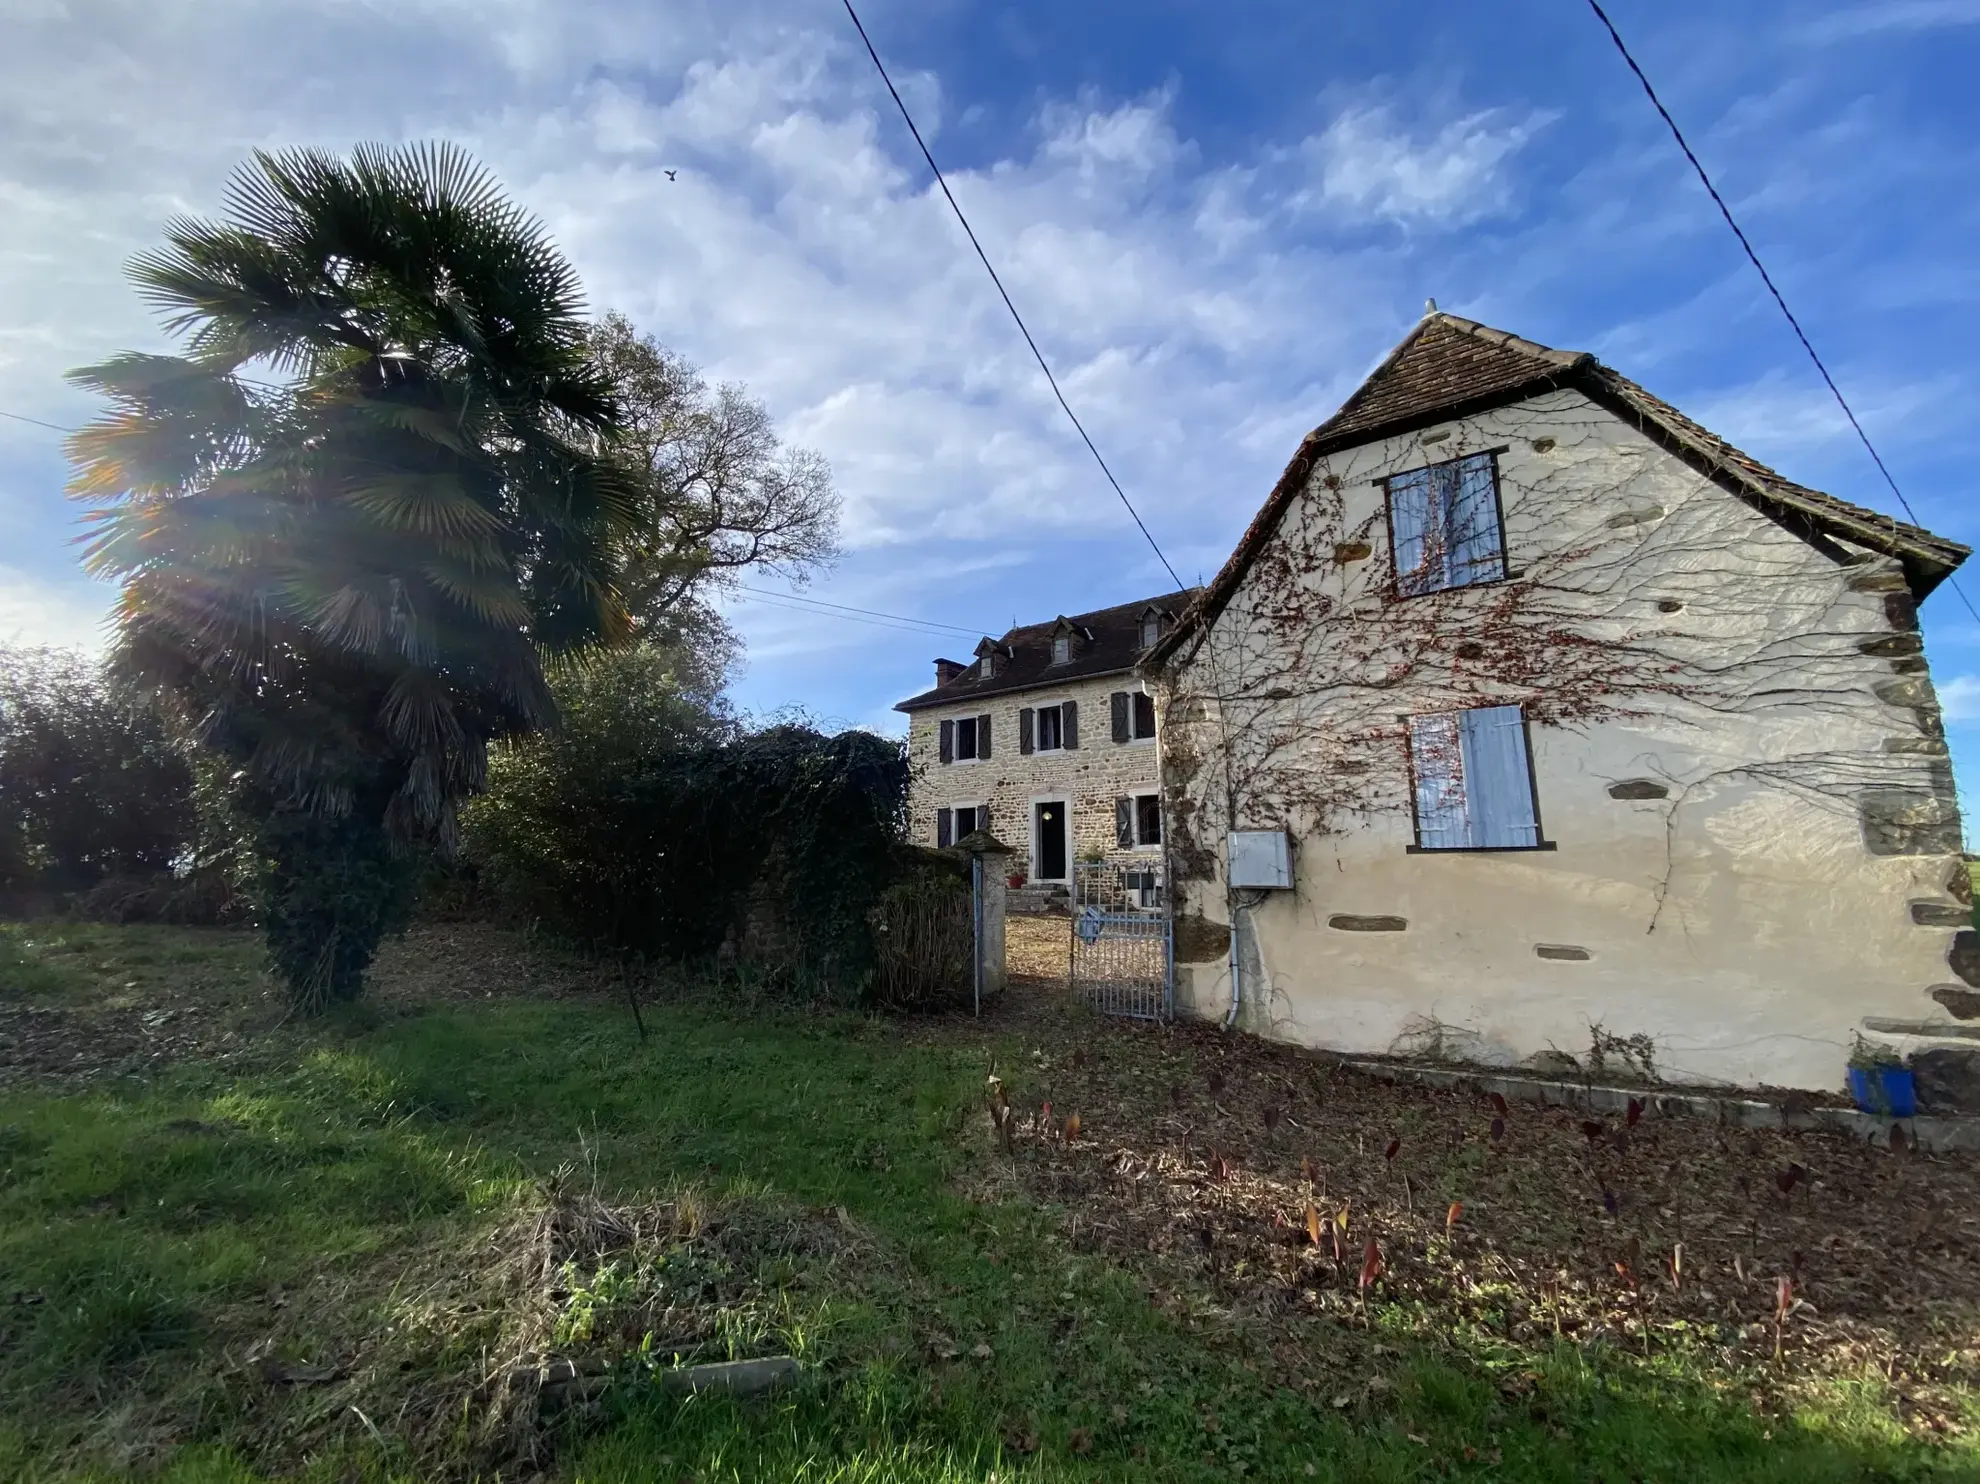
1261	859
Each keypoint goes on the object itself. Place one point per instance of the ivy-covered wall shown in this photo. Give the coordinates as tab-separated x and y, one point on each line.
1743	788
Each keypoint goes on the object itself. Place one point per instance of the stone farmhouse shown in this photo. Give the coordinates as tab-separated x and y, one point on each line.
1047	740
1582	739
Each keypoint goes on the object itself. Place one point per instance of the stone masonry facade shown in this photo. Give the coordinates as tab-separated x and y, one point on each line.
1092	776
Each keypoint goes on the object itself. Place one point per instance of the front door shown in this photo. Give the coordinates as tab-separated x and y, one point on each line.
1049	840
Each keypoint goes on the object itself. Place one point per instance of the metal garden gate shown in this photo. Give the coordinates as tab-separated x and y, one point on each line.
1122	947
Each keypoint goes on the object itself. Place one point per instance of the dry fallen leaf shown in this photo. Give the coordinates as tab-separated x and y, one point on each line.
1081	1441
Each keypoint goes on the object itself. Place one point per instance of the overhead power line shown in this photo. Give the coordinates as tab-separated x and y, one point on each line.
1004	294
800	604
52	427
878	623
1768	279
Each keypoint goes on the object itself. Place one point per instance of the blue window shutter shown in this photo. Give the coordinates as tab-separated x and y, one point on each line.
1436	757
1499	782
1476	552
1419	569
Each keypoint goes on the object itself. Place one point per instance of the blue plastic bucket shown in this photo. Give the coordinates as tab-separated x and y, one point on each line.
1885	1089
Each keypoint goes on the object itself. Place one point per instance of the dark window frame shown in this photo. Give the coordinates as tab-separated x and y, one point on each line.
1141	840
1137	699
975	753
1396	594
1416	847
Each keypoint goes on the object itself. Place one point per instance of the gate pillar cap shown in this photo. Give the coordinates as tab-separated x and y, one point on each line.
982	842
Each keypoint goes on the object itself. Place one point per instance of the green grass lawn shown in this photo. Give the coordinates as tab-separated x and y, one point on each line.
290	1263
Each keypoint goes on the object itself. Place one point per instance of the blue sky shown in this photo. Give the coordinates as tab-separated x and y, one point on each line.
1216	217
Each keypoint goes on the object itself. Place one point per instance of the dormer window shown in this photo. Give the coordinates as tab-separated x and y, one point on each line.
1062	649
1151	630
986	667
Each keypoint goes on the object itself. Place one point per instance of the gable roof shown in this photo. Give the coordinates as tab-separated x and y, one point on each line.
1027	652
1449	367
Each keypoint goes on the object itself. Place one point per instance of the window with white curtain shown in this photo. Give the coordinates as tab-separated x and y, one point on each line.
1444	525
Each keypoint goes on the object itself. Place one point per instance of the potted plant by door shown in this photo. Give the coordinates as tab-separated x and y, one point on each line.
1015	880
1880	1082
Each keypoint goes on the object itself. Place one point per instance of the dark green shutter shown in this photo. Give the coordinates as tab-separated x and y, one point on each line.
1124	823
1117	703
948	742
983	736
1069	725
1024	731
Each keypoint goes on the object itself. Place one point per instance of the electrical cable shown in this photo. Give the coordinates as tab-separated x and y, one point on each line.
927	623
52	427
1768	279
852	615
1004	294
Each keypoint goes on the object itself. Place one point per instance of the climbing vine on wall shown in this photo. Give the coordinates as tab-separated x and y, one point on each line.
1631	595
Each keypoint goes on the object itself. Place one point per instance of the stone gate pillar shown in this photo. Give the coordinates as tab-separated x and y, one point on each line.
989	888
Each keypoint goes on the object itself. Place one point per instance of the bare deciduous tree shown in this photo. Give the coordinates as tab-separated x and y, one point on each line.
727	493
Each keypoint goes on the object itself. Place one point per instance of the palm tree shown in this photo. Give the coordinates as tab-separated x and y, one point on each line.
350	567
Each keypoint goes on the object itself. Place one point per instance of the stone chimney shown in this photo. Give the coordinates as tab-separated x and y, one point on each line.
947	670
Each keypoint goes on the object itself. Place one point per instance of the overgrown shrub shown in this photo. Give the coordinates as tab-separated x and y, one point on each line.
93	783
924	937
653	825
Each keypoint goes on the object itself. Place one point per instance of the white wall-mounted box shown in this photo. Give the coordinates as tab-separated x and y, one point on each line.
1261	859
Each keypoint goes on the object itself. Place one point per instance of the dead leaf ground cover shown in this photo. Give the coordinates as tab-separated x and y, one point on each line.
1270	1179
451	1234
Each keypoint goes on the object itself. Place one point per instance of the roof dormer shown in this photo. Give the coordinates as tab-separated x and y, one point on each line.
990	657
1153	621
1068	638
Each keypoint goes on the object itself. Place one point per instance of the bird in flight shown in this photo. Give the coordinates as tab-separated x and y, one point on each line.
669	174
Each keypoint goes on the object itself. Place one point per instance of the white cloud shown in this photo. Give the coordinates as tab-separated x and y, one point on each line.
1959	698
1369	164
1897	16
69	612
1789	413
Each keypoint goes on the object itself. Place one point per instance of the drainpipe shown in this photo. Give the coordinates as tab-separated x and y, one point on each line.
1236	987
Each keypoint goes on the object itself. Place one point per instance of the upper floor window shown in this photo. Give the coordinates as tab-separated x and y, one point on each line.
1133	716
1151	630
1062	649
1474	780
1051	728
1048	728
964	739
1445	525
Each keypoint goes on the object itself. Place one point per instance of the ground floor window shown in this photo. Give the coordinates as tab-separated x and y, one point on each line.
958	820
1138	821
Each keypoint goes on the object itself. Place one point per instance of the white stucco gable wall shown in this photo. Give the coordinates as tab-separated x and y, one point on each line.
1662	634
